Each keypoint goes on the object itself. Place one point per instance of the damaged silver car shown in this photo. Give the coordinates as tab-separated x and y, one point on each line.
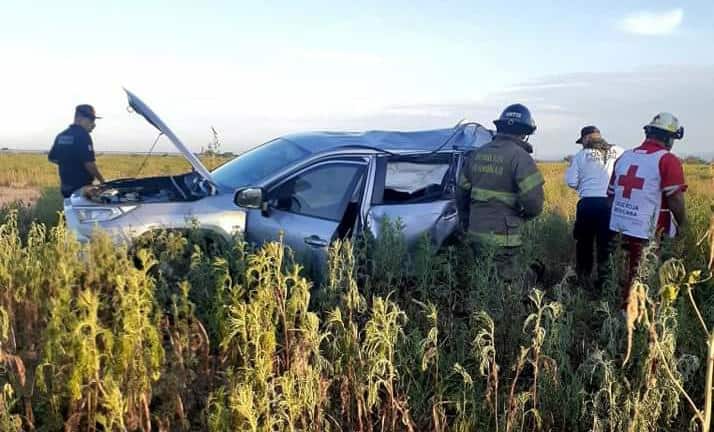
311	188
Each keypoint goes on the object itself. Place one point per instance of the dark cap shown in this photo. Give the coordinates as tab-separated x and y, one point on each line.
86	111
587	130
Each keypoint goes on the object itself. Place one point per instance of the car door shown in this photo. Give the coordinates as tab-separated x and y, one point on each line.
307	208
419	191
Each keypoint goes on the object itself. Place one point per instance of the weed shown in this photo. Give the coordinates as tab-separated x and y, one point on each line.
181	332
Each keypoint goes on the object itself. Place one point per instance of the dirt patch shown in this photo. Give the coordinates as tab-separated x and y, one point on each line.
25	194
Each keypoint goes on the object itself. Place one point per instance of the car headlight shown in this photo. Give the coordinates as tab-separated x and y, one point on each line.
101	214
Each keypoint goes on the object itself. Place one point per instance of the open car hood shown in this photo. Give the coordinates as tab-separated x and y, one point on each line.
141	108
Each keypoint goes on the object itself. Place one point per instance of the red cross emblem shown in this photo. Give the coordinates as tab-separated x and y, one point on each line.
631	181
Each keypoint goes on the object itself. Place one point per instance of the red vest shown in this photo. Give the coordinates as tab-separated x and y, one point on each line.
636	188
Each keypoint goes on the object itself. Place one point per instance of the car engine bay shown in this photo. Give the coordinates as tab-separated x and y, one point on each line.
185	187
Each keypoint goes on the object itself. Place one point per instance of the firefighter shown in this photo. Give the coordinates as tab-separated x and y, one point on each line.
647	192
503	187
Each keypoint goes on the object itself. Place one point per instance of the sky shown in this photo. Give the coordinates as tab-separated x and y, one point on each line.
257	70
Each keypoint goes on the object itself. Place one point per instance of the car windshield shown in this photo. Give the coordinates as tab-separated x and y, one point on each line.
254	165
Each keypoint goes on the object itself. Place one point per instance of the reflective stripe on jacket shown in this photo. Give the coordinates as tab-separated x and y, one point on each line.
504	188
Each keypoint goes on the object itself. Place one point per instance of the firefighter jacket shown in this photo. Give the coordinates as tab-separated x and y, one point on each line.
503	187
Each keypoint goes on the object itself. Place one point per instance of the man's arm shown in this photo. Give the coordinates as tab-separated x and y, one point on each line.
572	174
92	169
673	186
611	190
676	205
86	155
611	184
52	155
532	201
463	192
530	186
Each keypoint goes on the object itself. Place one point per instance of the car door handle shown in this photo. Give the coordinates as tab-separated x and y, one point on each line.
316	241
450	215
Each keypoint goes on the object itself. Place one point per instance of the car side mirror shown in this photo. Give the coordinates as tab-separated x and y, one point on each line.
250	197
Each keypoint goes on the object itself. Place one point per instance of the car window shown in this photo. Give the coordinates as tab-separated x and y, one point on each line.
413	182
319	192
409	177
254	165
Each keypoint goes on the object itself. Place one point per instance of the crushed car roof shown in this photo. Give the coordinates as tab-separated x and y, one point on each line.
462	137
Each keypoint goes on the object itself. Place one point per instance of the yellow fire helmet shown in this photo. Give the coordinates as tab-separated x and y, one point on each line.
668	123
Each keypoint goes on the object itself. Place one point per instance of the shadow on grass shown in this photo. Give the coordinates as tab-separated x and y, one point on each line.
549	243
47	206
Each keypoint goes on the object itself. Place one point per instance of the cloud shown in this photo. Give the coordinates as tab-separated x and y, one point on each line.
652	23
619	103
542	86
285	92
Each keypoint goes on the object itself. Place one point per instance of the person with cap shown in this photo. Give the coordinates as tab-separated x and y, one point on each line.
503	188
647	192
73	152
589	174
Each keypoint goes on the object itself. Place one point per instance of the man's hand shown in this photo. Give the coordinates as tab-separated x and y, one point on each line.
94	171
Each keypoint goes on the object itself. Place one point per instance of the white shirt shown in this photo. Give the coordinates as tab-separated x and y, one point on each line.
589	174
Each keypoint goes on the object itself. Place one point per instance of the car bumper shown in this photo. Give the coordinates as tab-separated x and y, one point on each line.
206	216
83	231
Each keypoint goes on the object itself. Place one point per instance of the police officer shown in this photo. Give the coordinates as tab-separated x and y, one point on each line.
73	152
504	188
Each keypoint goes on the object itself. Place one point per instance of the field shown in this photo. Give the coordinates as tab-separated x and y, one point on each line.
29	177
34	170
177	335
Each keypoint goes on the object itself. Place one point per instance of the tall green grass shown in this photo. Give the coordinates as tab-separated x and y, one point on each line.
177	333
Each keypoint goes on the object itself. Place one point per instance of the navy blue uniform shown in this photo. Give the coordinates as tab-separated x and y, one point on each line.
71	149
